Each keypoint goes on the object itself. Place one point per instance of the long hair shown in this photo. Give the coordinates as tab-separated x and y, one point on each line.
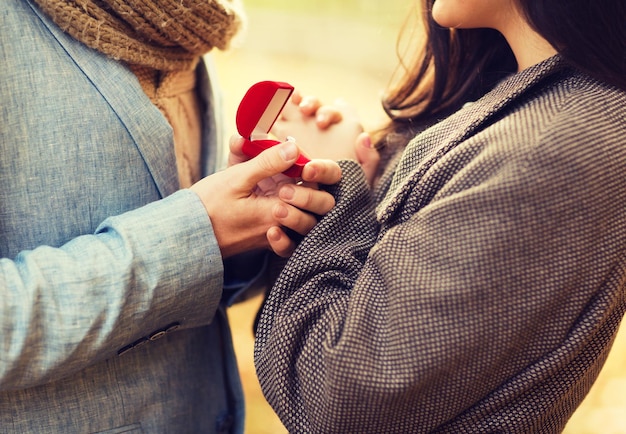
589	34
454	66
451	67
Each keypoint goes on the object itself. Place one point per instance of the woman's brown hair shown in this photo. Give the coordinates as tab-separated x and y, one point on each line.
455	66
452	67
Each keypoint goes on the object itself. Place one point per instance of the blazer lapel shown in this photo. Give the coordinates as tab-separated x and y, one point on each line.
428	147
130	103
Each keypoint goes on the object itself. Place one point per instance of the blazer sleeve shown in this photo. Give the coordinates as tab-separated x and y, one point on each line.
62	309
496	283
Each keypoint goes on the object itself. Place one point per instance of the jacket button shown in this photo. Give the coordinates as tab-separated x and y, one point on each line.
157	335
124	350
140	342
173	326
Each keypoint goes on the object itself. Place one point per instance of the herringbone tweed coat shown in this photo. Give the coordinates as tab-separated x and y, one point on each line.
482	294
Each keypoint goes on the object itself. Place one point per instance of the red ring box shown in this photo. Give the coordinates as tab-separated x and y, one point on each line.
258	110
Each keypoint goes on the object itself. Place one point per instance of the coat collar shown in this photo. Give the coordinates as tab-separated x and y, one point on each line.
130	103
428	147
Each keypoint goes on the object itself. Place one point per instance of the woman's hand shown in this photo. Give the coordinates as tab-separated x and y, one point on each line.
321	131
367	156
325	115
332	129
249	203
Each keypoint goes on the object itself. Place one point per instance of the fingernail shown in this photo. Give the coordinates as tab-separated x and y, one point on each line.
309	172
273	234
286	192
366	141
280	211
289	151
291	139
321	118
306	102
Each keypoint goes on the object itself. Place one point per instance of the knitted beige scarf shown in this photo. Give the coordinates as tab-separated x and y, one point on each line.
165	35
162	41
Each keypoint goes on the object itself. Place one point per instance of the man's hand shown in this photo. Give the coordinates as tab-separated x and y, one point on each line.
327	131
252	200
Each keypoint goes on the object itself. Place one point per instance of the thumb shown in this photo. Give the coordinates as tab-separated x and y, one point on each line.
367	155
236	155
268	163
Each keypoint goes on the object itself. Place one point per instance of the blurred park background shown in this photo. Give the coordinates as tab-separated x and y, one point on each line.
348	49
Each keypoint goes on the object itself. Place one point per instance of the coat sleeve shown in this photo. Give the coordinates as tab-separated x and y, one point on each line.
62	309
495	284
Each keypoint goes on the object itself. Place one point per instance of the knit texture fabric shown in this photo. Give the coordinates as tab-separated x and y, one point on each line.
167	35
484	292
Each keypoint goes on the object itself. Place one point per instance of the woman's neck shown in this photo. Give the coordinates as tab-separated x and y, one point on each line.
528	46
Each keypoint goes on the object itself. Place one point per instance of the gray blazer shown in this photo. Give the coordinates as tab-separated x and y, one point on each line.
484	292
110	280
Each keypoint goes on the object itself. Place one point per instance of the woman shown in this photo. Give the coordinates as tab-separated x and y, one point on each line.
480	287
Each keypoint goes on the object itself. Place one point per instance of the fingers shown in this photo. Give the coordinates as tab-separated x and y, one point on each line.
314	201
325	115
293	218
268	163
236	154
279	242
321	171
367	155
328	115
296	97
308	105
298	213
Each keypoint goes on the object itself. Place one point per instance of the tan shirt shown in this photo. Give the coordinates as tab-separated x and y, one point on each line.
175	95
